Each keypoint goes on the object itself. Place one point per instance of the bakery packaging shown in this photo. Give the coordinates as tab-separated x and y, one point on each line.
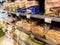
24	36
26	25
38	30
52	8
53	36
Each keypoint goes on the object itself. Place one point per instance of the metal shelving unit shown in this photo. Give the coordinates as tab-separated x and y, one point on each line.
39	16
34	16
40	38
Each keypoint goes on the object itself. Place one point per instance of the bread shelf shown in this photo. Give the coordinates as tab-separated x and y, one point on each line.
20	29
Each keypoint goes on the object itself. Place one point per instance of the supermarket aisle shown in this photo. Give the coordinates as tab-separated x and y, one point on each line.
5	41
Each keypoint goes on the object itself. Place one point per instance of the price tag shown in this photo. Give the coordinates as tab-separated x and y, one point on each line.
48	20
28	16
17	14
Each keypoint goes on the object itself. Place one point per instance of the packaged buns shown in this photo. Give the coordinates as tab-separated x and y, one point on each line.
38	30
26	25
53	36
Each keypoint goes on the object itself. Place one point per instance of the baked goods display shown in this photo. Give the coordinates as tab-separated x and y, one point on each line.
53	36
25	24
31	31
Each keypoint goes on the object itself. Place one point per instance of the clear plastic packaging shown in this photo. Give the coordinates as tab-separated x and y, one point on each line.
53	36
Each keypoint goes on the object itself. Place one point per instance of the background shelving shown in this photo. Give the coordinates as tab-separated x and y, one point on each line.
20	29
56	19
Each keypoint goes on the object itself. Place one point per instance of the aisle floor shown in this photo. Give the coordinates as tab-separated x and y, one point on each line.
5	41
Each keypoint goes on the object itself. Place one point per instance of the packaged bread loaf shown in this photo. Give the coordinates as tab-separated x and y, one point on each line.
26	25
53	36
38	30
52	8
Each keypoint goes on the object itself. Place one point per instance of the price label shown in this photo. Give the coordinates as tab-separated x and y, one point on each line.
48	20
28	16
17	14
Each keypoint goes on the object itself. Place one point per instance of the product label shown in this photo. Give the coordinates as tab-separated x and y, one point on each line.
53	2
48	20
31	3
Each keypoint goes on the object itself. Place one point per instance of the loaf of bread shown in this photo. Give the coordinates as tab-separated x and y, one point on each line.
27	26
38	30
53	36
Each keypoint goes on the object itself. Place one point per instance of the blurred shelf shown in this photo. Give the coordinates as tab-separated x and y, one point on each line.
40	38
44	40
21	40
